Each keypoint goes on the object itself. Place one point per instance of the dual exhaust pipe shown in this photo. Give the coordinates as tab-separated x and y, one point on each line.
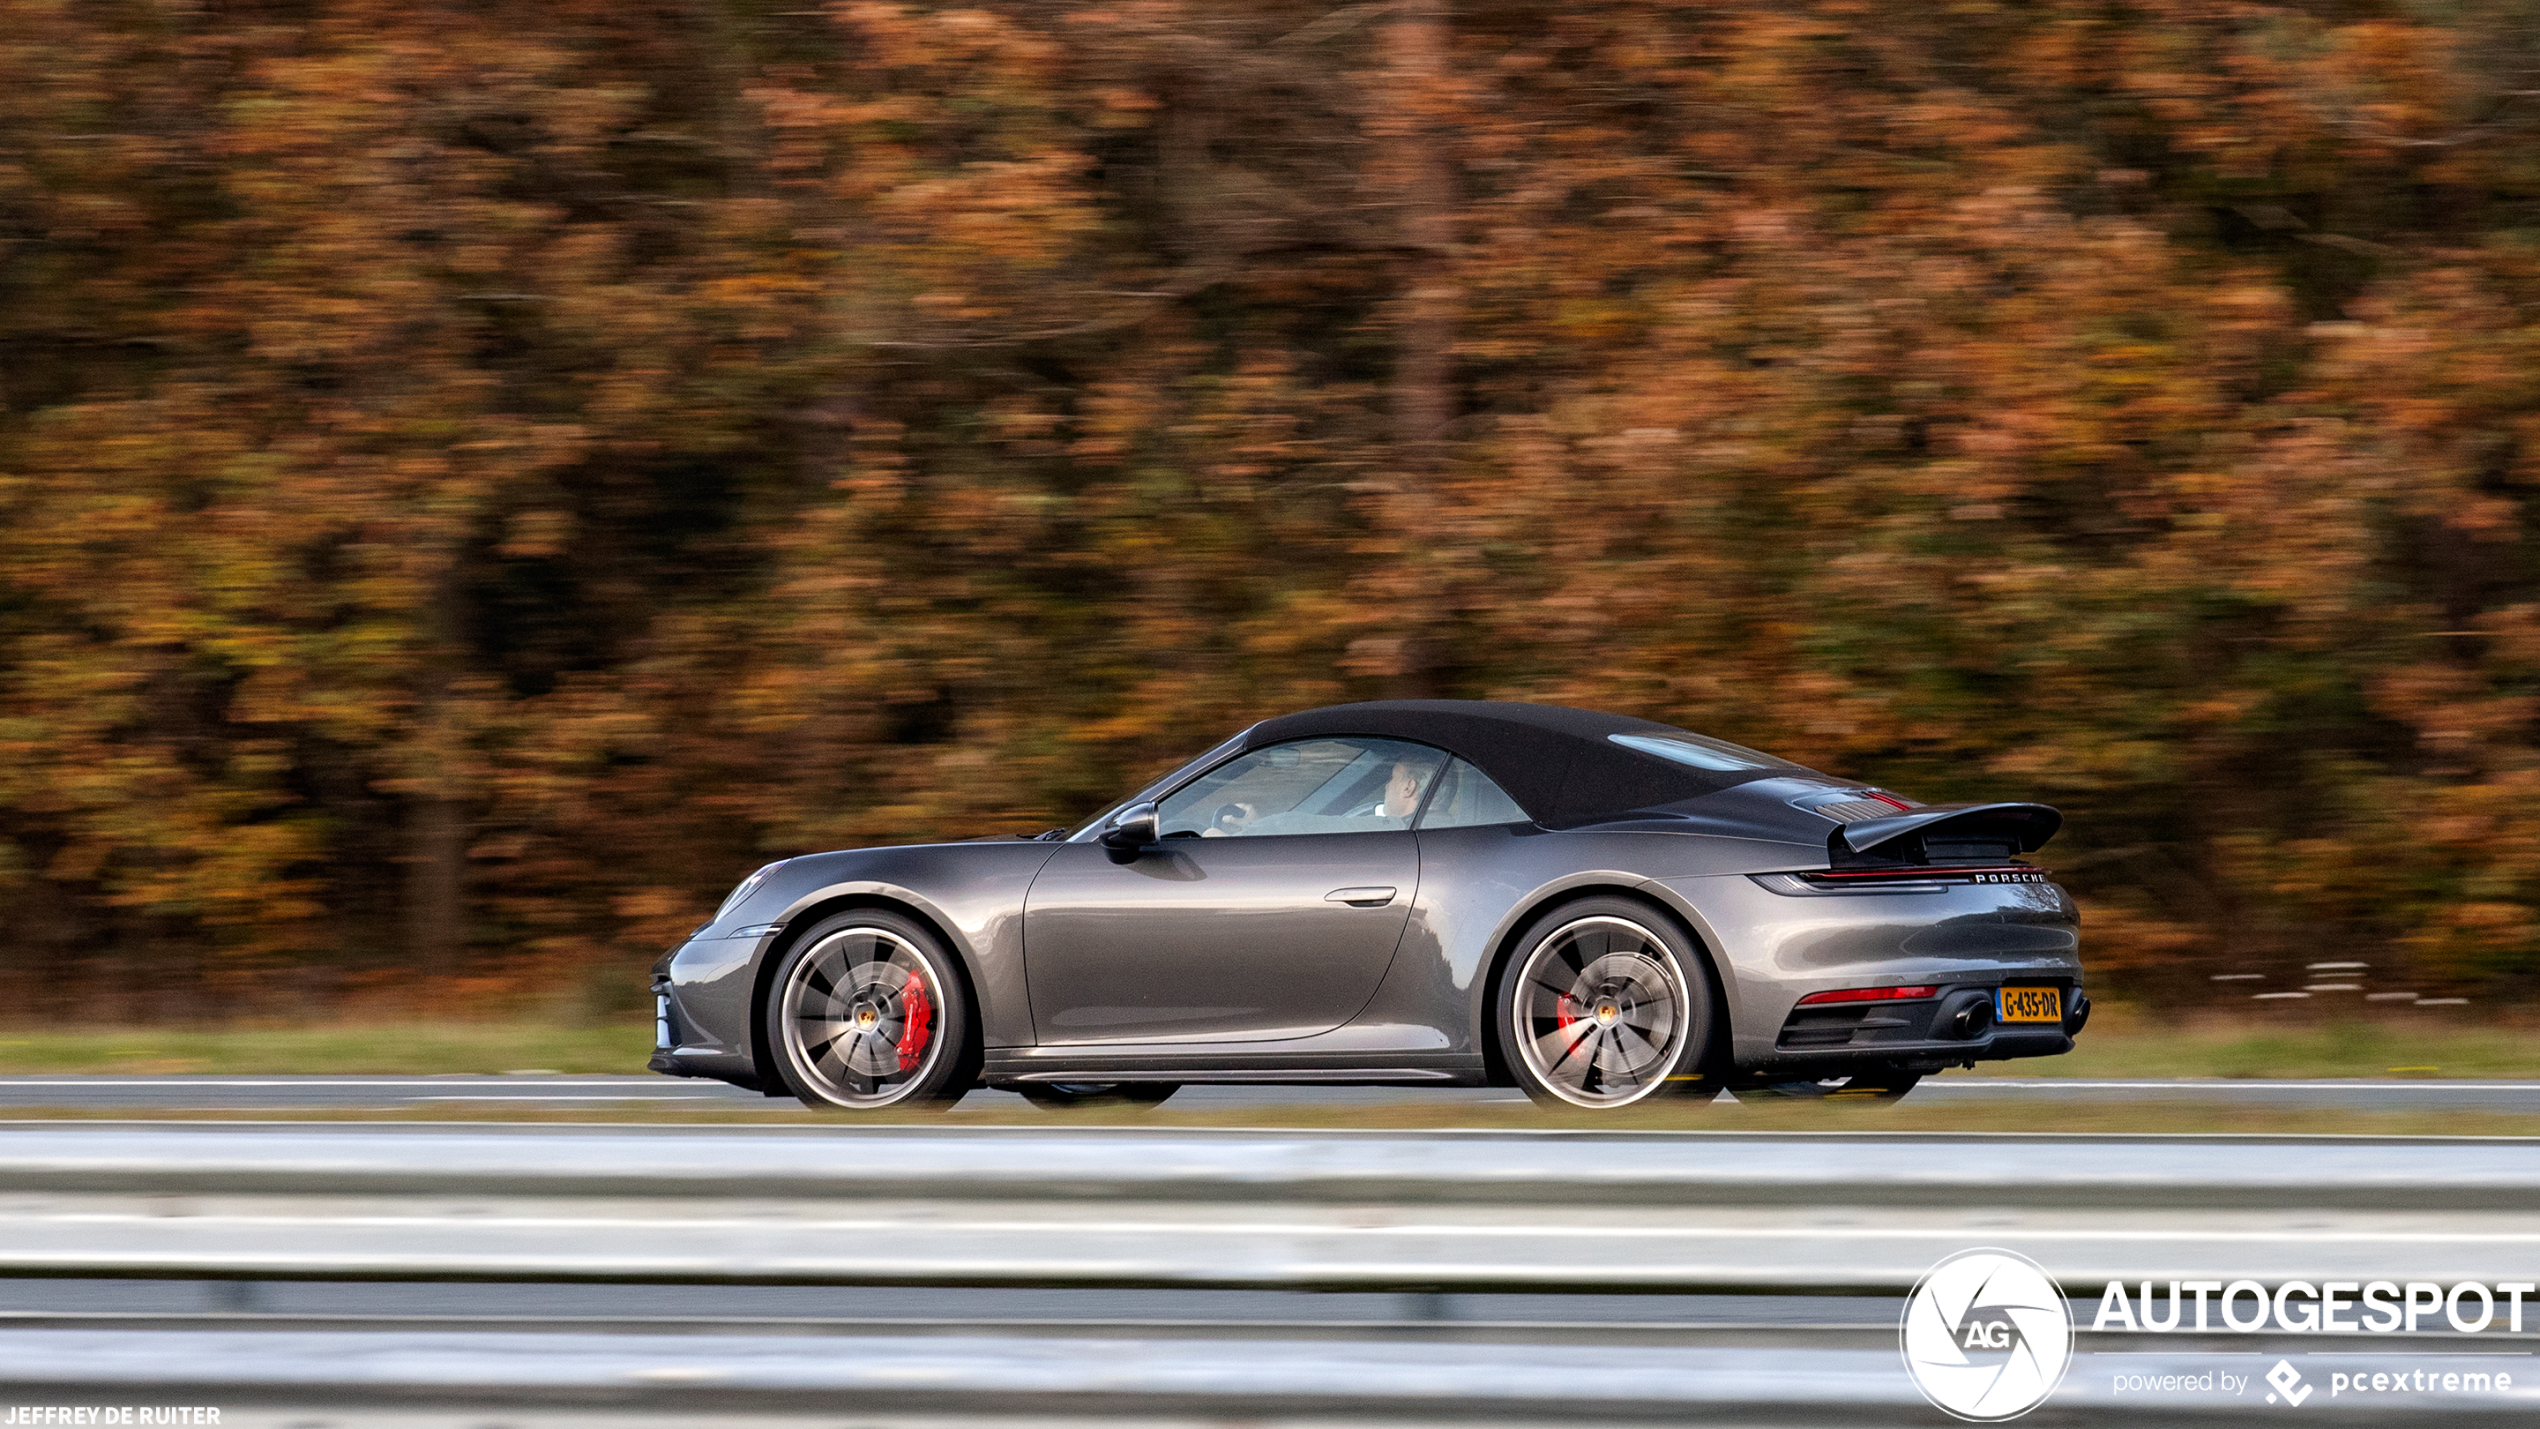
1969	1016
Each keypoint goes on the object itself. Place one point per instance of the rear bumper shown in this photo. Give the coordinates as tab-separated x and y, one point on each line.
1775	948
1918	1057
1916	1036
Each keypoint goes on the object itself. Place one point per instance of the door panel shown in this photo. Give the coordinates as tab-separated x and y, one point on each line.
1234	939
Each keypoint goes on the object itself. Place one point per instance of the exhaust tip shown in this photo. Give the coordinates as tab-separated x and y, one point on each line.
1972	1020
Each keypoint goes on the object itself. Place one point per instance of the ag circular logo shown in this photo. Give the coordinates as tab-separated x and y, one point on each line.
1987	1335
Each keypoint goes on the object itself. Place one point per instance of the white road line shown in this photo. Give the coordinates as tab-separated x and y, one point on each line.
108	1081
577	1097
1111	1230
2237	1084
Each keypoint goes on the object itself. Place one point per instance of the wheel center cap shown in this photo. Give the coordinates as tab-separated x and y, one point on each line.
1607	1012
865	1017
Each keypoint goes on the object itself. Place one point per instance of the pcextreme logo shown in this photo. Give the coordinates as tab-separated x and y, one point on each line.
2288	1385
1987	1335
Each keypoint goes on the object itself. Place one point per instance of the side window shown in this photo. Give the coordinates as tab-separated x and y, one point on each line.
1310	786
1467	797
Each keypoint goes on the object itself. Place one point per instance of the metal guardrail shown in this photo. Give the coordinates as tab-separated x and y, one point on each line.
1117	1378
1533	1212
1468	1167
1451	1211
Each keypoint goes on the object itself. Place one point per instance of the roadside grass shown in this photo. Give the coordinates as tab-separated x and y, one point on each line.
391	1048
2123	1042
2038	1116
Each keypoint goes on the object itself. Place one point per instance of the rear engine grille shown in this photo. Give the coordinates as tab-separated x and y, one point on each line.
1853	811
1851	806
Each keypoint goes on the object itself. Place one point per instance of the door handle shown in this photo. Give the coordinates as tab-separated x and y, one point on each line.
1360	897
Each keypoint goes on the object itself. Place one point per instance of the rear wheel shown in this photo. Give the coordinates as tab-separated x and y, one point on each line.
1061	1096
1605	1004
868	1012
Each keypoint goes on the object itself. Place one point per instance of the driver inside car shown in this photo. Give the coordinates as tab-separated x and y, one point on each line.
1402	796
1228	820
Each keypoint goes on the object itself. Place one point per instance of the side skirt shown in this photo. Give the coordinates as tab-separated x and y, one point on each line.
1041	1065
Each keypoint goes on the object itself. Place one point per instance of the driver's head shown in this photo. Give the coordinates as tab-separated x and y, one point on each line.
1403	791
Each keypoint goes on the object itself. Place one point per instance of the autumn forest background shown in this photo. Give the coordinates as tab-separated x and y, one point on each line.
476	478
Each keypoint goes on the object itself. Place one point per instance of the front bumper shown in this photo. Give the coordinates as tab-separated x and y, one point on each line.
702	1011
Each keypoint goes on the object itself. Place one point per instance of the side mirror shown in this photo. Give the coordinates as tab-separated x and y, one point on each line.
1131	830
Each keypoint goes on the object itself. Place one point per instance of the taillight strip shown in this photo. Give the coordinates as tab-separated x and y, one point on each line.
1995	873
1870	994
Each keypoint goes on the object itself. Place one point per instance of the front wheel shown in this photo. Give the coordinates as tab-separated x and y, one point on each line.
868	1012
1605	1003
1064	1096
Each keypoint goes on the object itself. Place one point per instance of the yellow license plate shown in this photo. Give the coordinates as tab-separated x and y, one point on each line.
2028	1004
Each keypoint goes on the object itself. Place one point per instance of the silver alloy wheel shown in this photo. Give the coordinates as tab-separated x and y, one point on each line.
862	1017
1599	1011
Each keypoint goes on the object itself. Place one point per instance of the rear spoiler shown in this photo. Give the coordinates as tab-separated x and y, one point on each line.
1903	838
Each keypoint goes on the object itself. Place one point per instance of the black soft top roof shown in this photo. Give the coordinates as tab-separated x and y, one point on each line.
1556	762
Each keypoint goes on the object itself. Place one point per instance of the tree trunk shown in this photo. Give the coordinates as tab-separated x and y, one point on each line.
1422	397
436	820
436	884
1423	386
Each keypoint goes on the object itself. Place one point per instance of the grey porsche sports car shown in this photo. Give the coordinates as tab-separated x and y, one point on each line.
1594	908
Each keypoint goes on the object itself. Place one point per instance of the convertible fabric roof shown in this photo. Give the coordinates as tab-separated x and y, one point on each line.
1554	761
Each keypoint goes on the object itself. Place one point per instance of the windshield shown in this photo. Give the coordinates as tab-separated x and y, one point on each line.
1156	789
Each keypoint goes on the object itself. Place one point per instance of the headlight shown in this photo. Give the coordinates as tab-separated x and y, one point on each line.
748	886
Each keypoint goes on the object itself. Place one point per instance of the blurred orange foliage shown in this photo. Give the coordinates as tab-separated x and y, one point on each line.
475	479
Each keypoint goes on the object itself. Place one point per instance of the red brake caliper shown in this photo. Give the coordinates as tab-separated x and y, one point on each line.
917	1020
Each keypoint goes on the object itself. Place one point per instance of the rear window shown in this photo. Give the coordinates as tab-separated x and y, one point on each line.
1467	799
1701	752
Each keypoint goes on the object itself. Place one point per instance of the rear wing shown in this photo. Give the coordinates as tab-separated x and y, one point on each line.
1945	833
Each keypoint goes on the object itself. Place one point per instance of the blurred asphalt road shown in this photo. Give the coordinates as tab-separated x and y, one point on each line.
254	1093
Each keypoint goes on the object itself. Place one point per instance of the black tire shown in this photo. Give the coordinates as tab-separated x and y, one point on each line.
1063	1096
1632	983
867	1012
